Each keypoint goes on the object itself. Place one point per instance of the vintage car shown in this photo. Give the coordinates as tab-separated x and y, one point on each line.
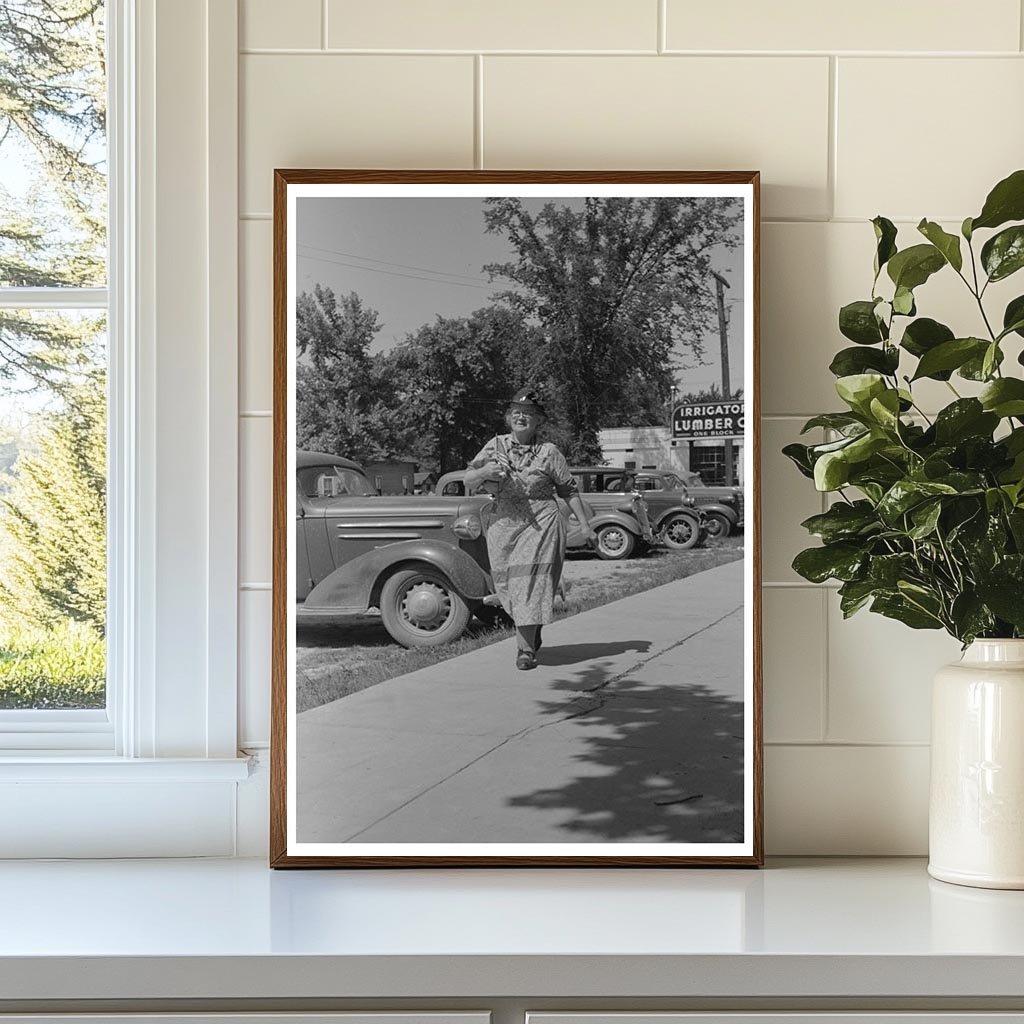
722	503
421	560
620	522
675	519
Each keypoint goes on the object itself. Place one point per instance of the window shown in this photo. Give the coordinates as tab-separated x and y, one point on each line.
53	356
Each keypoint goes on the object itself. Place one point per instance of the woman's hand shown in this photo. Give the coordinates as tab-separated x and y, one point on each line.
492	471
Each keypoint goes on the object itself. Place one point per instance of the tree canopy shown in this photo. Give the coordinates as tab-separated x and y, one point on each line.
617	289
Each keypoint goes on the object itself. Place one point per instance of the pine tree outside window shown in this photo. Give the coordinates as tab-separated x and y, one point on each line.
53	363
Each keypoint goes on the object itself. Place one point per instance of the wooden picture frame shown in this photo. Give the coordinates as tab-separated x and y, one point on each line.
607	814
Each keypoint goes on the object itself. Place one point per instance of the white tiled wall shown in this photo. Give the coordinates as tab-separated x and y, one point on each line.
909	110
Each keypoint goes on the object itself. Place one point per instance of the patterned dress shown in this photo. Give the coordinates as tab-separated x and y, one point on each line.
525	531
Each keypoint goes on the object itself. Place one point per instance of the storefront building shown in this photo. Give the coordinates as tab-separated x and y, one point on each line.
712	434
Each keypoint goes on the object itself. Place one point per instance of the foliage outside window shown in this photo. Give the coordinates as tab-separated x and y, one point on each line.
52	354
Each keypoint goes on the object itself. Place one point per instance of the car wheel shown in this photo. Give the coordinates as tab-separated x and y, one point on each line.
681	533
718	525
614	542
421	608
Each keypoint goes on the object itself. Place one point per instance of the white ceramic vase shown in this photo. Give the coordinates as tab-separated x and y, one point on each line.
976	814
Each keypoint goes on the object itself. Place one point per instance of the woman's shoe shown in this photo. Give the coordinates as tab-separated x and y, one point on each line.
526	660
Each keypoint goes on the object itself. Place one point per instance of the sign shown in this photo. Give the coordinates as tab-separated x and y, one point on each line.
713	419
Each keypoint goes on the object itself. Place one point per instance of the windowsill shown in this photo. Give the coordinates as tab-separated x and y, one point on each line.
79	766
821	929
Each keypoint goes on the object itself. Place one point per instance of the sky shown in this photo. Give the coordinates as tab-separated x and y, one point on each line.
414	259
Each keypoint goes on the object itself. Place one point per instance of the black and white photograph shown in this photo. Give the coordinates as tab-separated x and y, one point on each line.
516	558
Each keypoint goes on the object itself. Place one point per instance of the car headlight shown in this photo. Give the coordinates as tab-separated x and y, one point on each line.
468	527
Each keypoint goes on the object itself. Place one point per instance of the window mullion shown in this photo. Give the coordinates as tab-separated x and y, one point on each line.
53	298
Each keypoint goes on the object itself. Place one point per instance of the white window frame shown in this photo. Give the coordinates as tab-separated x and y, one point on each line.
169	735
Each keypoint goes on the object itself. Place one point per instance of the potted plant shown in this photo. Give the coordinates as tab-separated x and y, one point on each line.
927	521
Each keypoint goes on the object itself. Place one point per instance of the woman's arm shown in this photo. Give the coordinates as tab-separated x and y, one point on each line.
484	467
488	471
579	510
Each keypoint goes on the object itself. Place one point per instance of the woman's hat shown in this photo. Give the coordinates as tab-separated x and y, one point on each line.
528	396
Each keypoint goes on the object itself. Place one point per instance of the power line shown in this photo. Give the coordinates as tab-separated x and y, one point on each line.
395	273
387	263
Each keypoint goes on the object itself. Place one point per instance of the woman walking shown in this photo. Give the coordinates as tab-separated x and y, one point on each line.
526	533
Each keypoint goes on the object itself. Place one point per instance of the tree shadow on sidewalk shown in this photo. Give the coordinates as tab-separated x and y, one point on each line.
657	763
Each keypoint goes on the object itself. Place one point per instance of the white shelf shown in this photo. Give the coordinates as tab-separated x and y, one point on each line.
223	929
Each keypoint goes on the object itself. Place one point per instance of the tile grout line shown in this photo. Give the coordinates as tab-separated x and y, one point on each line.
258	51
478	111
852	744
662	41
831	171
824	723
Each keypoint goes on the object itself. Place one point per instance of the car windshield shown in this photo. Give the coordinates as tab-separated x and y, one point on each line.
672	482
333	482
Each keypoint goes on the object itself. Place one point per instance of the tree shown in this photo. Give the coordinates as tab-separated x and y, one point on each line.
340	405
708	396
52	121
453	378
53	521
615	289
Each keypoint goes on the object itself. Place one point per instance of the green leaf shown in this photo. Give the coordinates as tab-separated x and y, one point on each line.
854	594
905	494
886	571
833	420
850	361
991	360
885	236
1004	397
966	417
857	321
903	302
1013	317
799	455
923	335
842	521
1003	254
840	561
965	229
858	389
897	607
970	617
947	244
1005	597
974	368
912	267
885	409
1005	202
949	356
831	471
925	518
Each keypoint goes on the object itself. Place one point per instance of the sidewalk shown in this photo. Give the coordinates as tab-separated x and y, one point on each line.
630	729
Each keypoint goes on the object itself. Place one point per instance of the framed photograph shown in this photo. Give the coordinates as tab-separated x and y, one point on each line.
516	549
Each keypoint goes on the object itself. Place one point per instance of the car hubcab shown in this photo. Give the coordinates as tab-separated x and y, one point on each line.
426	606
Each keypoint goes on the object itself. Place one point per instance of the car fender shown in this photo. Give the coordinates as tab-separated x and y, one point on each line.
728	511
622	519
696	514
356	585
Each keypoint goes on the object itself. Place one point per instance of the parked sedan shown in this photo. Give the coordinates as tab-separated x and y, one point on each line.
620	522
675	519
421	560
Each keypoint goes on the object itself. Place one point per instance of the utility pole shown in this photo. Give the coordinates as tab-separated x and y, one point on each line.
723	333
